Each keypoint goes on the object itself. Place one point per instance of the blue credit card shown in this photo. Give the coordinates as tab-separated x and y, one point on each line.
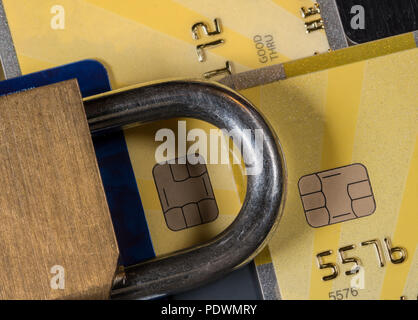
91	76
118	178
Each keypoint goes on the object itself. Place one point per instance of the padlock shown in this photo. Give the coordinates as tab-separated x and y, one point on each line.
207	101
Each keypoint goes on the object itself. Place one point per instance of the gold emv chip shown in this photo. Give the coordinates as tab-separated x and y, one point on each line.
185	193
336	195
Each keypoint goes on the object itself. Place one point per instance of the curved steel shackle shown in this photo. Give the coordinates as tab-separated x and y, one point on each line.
260	211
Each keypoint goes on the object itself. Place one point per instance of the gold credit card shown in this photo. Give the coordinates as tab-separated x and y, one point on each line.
349	134
140	41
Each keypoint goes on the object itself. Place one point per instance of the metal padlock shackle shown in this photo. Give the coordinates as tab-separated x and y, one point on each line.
260	211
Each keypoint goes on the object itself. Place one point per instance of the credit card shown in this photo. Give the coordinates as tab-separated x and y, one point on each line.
348	124
351	22
91	76
140	41
126	45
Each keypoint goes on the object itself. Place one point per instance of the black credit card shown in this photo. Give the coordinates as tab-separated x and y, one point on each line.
382	18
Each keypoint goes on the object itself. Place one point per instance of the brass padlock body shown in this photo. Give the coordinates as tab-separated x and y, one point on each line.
56	235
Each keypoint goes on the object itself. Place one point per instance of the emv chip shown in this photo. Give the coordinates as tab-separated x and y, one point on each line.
336	195
185	193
